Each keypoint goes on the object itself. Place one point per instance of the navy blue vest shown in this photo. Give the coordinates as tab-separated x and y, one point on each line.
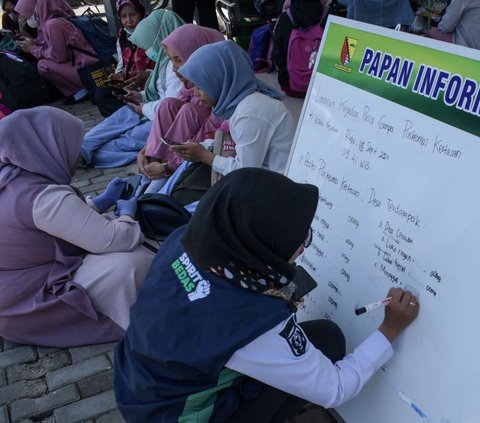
184	327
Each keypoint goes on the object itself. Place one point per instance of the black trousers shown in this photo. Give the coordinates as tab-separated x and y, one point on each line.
207	15
275	406
106	102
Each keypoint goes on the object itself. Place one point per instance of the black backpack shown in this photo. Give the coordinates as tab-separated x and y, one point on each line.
159	215
268	9
21	86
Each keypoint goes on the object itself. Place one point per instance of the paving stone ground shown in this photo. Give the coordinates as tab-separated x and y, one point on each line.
51	385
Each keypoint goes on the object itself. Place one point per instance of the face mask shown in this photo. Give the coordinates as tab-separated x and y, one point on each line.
152	54
127	31
32	22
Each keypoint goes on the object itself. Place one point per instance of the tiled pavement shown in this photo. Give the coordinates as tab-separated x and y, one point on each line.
49	385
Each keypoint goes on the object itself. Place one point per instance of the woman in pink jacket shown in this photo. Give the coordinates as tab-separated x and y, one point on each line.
56	62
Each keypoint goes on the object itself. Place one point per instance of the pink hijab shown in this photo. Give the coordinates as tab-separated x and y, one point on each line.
44	9
189	37
43	140
184	41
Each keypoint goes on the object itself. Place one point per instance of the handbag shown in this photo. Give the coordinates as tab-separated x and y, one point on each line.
224	146
96	75
159	215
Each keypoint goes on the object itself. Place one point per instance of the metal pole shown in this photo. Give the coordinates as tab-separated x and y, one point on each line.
111	14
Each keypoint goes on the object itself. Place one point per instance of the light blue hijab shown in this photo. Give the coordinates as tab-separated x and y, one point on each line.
224	71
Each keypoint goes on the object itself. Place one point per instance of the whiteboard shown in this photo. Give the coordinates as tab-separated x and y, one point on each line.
396	157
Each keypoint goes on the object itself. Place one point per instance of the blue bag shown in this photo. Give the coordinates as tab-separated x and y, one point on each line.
259	48
95	30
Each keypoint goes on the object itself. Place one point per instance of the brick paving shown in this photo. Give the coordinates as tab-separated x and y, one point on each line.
51	385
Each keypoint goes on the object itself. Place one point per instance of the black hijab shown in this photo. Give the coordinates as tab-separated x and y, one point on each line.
248	225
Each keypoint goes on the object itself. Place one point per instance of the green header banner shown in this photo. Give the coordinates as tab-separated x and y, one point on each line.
435	83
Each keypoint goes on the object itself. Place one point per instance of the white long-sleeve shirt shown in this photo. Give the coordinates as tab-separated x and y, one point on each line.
310	375
263	130
59	211
168	85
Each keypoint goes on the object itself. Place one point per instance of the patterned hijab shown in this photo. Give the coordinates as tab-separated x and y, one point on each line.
248	226
136	4
149	33
42	140
224	71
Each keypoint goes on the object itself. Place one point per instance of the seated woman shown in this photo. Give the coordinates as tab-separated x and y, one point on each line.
178	119
57	63
10	17
117	140
387	13
68	276
260	125
208	339
460	24
131	60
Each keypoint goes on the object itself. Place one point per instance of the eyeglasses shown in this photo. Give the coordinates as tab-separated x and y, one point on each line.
308	239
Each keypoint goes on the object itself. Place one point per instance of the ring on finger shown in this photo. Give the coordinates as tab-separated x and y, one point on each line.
411	303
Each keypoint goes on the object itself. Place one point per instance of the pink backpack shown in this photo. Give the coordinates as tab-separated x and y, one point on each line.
303	46
4	110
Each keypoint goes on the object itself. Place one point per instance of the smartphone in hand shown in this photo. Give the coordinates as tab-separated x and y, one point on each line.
305	283
118	90
170	142
132	183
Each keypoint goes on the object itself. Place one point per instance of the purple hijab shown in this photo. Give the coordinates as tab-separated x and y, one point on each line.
42	140
45	9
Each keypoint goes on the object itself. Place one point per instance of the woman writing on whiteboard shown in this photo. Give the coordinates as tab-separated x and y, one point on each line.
213	336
